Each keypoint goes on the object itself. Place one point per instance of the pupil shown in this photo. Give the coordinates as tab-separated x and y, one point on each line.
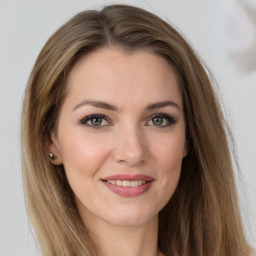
96	121
158	121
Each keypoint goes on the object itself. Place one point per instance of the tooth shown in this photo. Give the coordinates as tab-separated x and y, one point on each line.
134	183
119	183
126	183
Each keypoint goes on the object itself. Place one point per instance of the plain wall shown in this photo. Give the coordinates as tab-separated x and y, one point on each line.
24	28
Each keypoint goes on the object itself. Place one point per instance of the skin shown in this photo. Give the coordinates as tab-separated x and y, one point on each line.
128	141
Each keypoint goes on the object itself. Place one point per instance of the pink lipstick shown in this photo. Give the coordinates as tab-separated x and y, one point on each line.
128	185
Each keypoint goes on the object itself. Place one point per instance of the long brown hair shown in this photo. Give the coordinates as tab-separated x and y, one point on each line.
202	217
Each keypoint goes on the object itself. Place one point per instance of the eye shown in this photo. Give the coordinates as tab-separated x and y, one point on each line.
158	121
161	120
95	121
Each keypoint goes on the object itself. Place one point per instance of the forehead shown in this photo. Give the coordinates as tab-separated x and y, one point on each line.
111	74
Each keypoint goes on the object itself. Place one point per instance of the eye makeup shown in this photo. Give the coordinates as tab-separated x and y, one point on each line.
98	121
161	120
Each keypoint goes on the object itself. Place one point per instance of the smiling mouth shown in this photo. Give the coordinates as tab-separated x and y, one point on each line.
127	185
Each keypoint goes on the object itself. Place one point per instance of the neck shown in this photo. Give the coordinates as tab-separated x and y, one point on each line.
126	241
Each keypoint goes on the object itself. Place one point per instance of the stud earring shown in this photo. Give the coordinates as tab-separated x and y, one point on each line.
52	156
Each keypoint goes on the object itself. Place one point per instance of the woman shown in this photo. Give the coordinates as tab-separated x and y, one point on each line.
124	145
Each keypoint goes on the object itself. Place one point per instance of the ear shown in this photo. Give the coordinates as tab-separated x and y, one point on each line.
52	145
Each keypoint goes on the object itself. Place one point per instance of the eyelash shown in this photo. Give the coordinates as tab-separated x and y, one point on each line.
89	118
169	120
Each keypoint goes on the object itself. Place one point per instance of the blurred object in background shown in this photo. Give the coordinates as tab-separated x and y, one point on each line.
251	4
237	26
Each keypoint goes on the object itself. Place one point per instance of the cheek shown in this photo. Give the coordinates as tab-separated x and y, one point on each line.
170	152
169	170
169	155
82	155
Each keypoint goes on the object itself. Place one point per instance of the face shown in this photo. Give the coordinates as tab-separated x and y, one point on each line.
121	136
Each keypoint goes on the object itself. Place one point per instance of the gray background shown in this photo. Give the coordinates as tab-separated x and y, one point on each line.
24	28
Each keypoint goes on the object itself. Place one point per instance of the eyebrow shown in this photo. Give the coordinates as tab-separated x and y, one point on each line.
107	106
97	104
163	104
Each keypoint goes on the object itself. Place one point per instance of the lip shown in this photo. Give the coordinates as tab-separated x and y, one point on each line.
129	177
128	191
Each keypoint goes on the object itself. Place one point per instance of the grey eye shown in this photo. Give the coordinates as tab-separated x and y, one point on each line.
96	121
161	120
158	121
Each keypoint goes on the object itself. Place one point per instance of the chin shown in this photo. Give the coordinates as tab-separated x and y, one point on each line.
130	217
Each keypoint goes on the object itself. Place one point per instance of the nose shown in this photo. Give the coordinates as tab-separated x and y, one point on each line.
131	147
